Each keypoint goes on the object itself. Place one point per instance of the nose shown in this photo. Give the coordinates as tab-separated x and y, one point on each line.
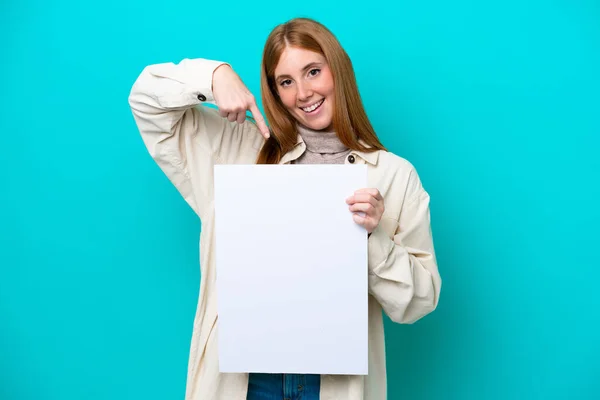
304	92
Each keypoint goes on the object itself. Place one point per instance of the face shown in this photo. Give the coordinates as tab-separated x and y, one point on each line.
305	86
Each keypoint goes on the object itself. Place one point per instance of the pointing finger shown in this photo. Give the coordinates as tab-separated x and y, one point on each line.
260	121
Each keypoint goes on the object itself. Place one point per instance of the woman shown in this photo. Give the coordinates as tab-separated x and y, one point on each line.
315	113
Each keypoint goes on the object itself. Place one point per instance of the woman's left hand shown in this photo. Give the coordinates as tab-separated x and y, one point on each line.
369	202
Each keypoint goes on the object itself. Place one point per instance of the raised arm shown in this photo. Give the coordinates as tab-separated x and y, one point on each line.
185	138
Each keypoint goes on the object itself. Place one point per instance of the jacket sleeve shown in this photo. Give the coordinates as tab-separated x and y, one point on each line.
403	271
183	136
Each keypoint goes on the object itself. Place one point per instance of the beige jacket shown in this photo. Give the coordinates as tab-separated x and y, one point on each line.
186	139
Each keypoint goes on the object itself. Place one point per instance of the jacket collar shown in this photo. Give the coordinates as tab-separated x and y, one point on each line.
371	157
300	148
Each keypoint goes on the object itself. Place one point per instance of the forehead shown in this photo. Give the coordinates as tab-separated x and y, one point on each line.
294	59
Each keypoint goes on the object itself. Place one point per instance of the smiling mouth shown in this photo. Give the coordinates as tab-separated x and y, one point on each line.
312	108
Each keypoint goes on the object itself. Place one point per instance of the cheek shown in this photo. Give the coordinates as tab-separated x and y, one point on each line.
327	83
287	99
328	90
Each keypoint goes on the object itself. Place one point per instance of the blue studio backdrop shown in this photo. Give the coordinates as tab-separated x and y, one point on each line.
496	104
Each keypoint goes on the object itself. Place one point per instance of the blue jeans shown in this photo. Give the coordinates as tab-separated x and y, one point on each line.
283	387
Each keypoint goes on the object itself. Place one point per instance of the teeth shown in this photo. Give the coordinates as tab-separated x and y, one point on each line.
313	107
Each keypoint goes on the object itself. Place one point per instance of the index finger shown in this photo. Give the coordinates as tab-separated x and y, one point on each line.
372	191
260	121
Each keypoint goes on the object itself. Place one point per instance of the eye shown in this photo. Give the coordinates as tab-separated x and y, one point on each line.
314	72
285	82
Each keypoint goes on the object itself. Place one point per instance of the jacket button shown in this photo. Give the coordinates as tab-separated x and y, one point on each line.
351	159
201	97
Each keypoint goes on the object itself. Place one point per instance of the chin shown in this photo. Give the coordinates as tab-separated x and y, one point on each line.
316	127
325	124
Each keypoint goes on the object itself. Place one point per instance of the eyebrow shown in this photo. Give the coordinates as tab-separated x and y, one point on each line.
306	67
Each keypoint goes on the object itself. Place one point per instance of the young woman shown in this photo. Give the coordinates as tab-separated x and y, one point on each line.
315	113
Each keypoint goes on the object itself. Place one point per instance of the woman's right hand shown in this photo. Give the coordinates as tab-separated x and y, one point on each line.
233	98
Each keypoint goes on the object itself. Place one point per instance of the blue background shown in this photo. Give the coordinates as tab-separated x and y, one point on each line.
496	104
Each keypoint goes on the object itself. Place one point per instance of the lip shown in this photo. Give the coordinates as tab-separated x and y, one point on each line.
315	111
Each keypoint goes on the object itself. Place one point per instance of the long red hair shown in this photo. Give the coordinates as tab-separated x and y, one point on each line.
350	120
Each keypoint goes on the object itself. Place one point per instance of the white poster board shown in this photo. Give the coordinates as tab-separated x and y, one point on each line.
291	269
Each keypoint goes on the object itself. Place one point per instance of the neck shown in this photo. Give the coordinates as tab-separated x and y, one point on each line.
322	142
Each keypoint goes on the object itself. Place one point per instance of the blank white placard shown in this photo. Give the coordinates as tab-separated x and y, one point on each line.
291	269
